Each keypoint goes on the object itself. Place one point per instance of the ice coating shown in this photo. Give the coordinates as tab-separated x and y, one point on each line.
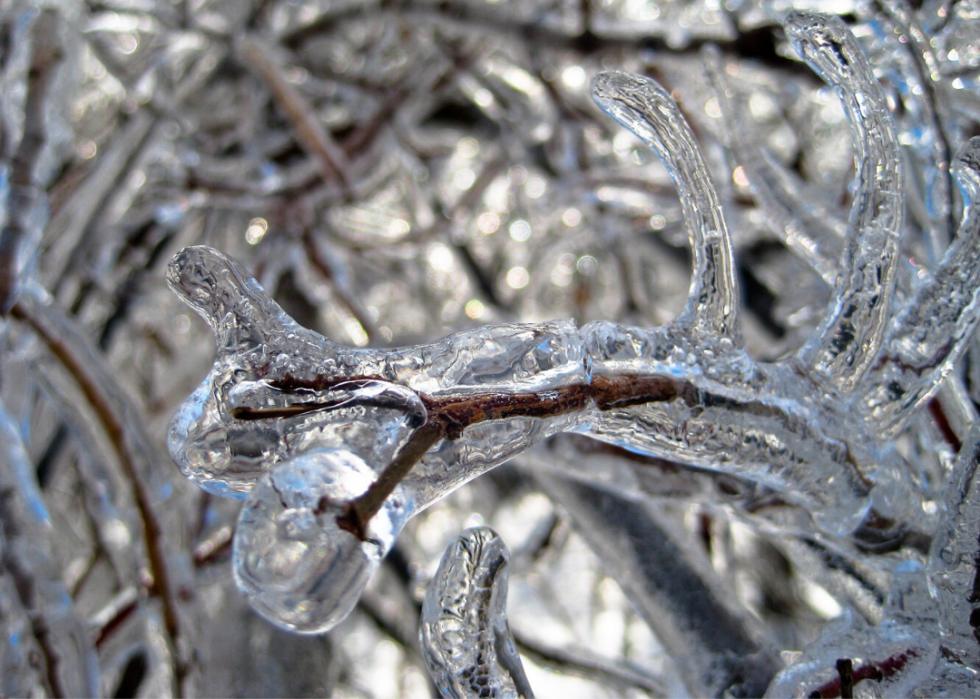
646	109
277	389
730	413
890	659
466	640
927	643
285	405
953	575
929	334
299	569
28	567
847	343
808	229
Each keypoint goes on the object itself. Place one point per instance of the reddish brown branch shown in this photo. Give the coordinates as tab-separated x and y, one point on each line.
450	414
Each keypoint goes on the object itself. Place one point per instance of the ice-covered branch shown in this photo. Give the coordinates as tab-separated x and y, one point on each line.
70	664
127	435
21	232
933	330
335	448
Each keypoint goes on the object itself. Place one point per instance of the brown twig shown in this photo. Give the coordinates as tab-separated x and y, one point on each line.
450	414
359	511
314	139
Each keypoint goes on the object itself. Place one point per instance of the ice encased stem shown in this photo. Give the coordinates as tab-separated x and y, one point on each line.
273	390
72	666
927	337
299	568
806	227
730	414
302	426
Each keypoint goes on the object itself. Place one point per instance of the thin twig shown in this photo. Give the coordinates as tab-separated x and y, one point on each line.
589	666
312	136
113	615
450	414
212	547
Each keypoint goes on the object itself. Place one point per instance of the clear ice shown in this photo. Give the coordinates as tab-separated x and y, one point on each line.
927	643
302	427
466	640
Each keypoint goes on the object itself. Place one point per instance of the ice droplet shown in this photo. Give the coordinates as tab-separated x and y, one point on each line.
299	568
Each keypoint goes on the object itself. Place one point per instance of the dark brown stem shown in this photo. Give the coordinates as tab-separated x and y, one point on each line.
104	631
846	671
359	511
450	414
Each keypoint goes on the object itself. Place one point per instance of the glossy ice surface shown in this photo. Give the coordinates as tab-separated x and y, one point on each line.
302	427
720	348
465	638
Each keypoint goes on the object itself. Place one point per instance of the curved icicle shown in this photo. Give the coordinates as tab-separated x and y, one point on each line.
927	337
226	296
465	637
808	229
935	112
848	341
646	109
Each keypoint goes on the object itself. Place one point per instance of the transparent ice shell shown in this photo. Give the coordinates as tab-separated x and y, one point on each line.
302	425
297	566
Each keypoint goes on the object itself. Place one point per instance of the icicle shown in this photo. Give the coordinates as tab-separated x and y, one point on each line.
645	108
847	342
808	229
465	637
